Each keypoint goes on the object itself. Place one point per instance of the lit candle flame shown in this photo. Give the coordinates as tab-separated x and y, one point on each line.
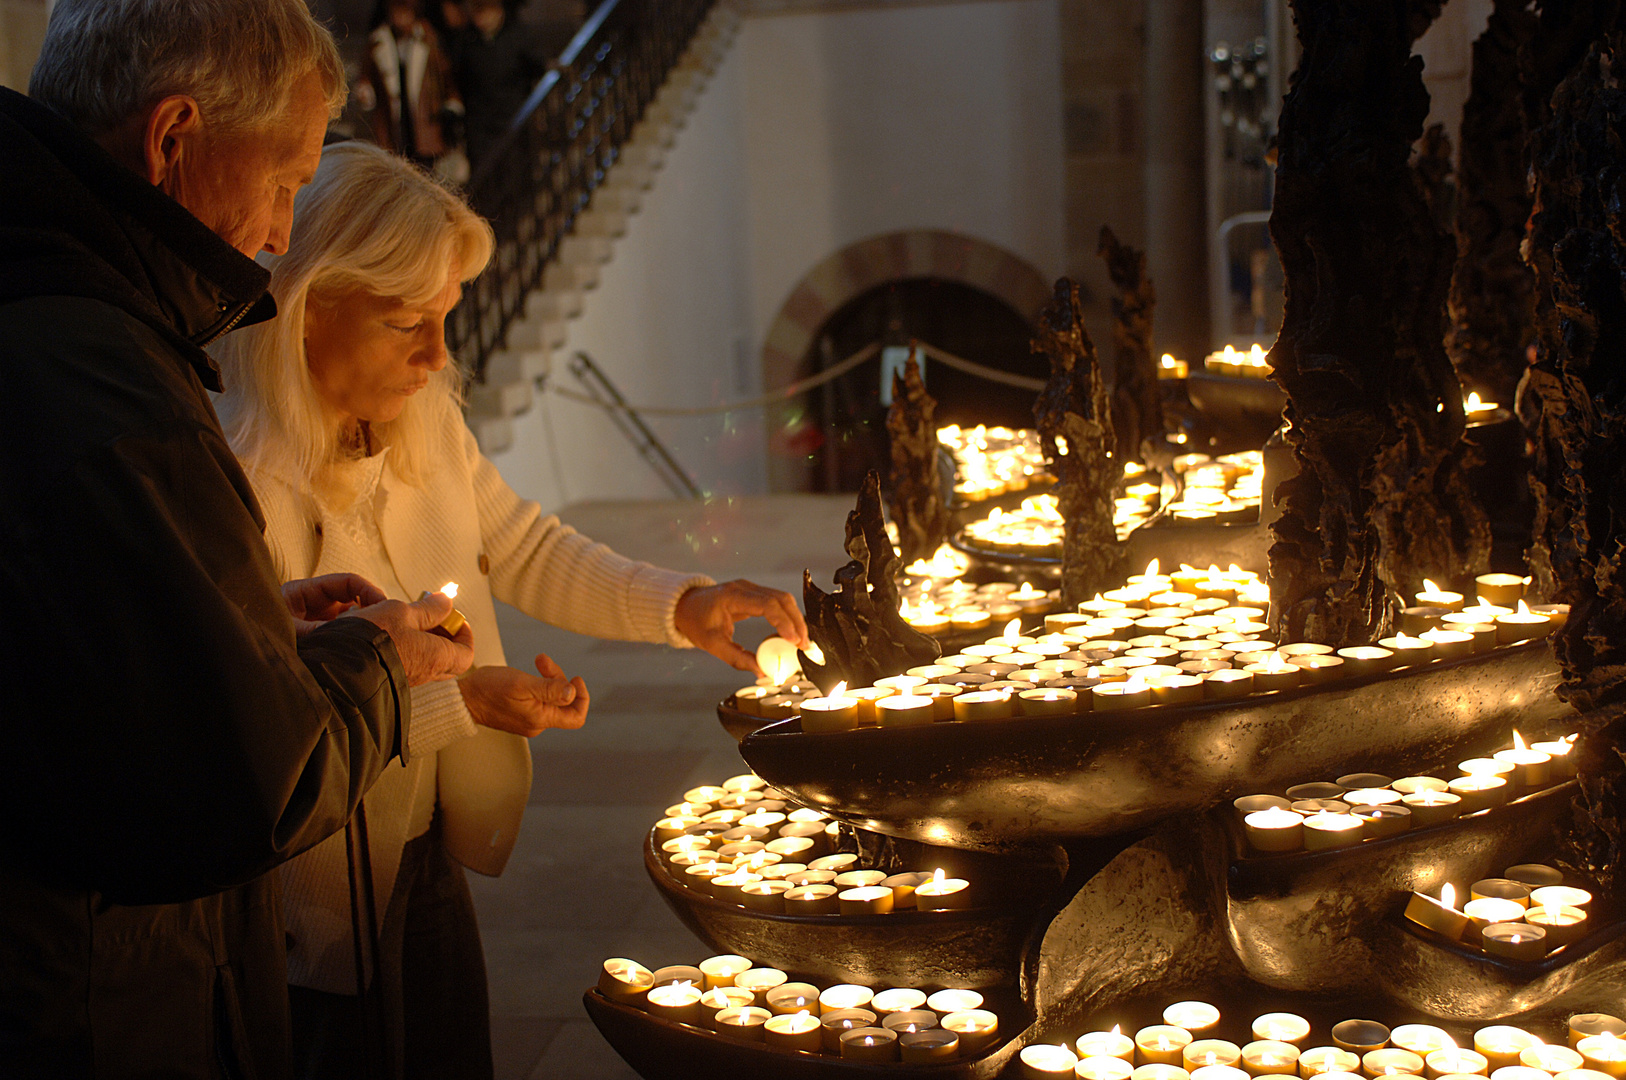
839	689
1429	588
1448	895
1518	740
1013	628
814	654
449	590
1524	608
1117	1029
1152	569
1409	642
937	877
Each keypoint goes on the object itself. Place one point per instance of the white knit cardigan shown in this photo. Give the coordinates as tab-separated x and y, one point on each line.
462	523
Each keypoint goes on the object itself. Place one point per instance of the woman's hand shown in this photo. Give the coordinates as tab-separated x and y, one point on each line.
314	601
706	616
508	699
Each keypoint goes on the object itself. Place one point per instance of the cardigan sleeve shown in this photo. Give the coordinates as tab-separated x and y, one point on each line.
553	573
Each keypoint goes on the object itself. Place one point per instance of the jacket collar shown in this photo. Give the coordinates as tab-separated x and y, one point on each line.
75	222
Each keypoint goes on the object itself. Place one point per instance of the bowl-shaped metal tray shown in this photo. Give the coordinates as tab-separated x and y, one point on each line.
736	723
1233	402
977	948
1305	920
1450	980
1243	543
659	1049
1001	784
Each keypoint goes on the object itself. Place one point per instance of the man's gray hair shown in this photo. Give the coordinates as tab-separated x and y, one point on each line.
104	61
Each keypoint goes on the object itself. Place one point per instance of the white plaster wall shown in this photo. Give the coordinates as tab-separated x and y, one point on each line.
943	116
668	324
818	130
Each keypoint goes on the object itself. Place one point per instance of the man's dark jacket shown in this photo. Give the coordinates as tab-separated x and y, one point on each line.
165	740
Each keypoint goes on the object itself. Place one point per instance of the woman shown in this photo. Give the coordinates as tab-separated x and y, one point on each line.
345	413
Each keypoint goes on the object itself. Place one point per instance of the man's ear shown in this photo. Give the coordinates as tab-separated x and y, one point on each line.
170	131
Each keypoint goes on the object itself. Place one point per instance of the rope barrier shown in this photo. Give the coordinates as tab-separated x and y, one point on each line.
801	386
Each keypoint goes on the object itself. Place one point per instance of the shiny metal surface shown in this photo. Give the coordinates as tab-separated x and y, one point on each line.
1004	784
663	1050
978	948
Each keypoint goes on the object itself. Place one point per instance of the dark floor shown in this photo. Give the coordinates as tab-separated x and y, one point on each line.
575	891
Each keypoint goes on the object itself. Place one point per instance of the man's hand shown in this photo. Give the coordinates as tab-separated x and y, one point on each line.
508	699
314	601
425	657
706	616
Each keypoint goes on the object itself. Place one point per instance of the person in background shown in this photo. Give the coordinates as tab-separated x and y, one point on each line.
347	417
181	723
406	86
496	60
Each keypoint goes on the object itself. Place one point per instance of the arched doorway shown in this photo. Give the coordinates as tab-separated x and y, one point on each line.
849	413
979	297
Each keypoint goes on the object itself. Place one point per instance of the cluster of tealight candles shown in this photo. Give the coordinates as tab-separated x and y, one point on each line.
741	843
1217	491
1525	914
732	997
1369	806
993	461
1499	615
951	609
1230	361
1186	1046
1162	639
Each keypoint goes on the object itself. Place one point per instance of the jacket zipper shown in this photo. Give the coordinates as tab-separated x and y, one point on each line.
242	313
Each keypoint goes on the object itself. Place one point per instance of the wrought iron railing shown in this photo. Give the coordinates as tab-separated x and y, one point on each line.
538	180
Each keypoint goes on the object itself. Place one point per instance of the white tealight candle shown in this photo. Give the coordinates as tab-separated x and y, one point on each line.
1112	1043
978	1029
1194	1016
1324	831
1104	1068
1452	1059
1281	1027
1327	1059
1043	1061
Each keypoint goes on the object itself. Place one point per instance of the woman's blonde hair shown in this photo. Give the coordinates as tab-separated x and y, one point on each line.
370	221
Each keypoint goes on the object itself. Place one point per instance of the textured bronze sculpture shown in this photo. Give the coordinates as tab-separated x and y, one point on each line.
1578	251
917	496
1375	410
858	628
1075	428
1137	407
1491	302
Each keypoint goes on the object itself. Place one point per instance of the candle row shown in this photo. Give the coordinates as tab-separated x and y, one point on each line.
959	608
760	853
1370	806
1523	915
730	996
993	461
1186	1047
1232	361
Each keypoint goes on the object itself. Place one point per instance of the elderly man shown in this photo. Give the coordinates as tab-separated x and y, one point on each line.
173	733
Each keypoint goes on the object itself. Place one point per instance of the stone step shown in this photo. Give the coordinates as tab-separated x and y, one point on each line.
518	365
504	399
579	250
539	331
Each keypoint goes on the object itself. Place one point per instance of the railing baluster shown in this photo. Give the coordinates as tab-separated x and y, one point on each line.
540	178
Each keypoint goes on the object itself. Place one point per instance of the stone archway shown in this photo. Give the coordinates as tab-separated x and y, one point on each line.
859	267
